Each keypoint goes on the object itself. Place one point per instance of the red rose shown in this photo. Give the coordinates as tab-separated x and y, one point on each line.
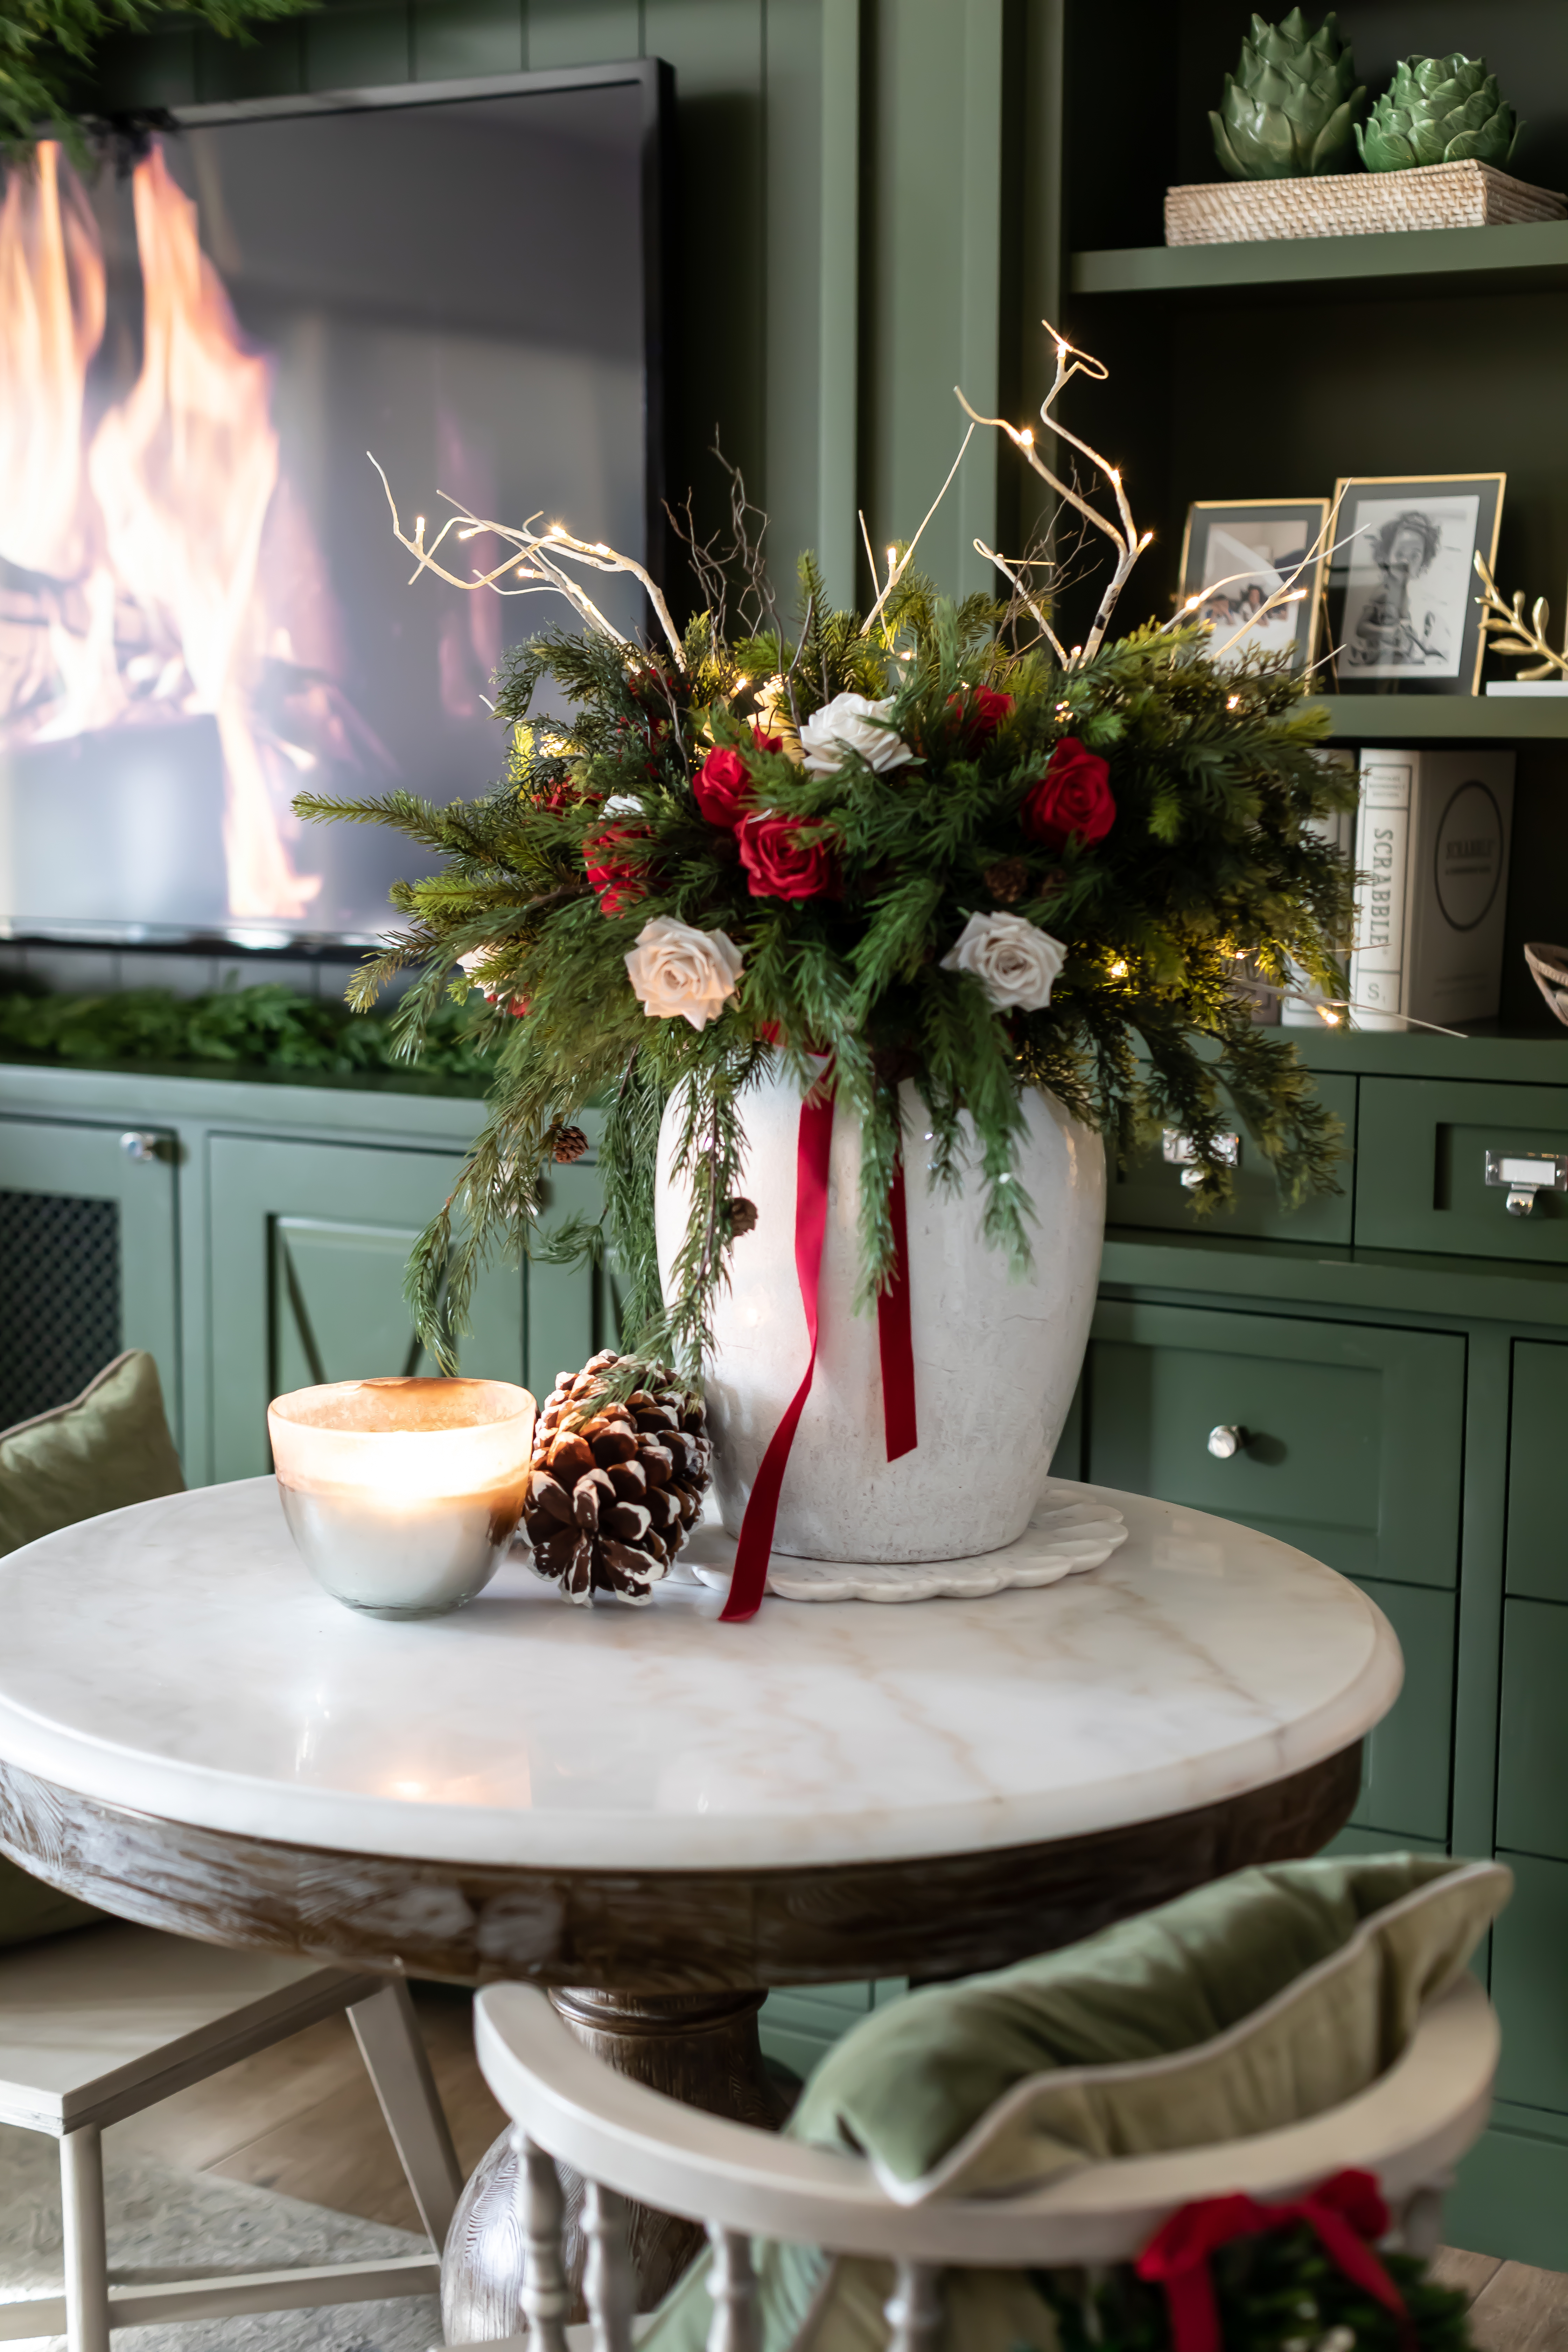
721	784
615	863
1072	800
764	742
780	866
983	708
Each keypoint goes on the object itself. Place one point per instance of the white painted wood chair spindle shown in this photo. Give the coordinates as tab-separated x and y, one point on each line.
1409	2128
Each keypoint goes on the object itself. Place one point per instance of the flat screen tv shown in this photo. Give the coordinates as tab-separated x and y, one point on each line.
202	607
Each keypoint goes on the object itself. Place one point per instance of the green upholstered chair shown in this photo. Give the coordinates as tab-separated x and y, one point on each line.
1259	2035
101	2021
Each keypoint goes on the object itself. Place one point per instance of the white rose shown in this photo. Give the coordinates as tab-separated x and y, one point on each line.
851	722
1014	964
679	972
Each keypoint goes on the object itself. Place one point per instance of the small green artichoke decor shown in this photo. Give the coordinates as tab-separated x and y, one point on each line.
1439	111
1292	109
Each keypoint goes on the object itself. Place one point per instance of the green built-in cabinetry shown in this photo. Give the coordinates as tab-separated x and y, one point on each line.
1401	1391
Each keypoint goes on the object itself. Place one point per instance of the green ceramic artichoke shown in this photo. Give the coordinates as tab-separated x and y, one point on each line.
1291	109
1438	111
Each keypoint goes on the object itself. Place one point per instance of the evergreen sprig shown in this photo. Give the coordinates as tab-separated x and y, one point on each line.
46	46
1216	861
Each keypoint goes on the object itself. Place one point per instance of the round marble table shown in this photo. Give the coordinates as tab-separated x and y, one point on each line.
655	1812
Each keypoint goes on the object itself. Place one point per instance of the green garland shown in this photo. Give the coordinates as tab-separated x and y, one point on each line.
1277	2292
266	1027
48	46
836	892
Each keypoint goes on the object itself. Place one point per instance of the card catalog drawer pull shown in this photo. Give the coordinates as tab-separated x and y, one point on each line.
1176	1149
1526	1173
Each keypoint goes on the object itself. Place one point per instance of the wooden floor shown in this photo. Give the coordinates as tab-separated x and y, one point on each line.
303	2119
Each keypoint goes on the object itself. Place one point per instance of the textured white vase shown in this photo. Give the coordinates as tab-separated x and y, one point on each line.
997	1359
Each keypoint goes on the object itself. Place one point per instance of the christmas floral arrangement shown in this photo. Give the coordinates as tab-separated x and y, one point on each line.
927	843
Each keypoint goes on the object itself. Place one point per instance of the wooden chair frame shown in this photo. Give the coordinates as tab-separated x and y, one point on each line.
628	2142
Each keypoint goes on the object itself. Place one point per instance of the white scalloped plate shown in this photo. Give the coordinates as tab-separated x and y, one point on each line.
1071	1530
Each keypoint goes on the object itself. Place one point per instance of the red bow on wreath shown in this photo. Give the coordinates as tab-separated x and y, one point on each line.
1346	2211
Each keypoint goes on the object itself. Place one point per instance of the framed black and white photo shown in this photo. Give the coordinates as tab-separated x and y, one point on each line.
1402	615
1236	555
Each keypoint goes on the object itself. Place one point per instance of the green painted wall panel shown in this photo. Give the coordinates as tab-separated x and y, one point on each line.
1356	1431
1538	1473
454	38
582	32
1532	1752
1528	1943
355	47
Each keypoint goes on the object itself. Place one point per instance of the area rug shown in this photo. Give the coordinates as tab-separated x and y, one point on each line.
165	2224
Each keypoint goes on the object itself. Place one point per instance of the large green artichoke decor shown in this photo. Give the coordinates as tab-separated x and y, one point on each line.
1293	107
1438	111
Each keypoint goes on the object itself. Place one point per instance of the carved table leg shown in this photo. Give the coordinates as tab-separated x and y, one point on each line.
699	2048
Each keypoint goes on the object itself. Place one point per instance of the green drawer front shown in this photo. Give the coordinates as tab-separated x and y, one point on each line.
1406	1771
1538	1472
1354	1430
1528	1986
1421	1168
1533	1751
1151	1192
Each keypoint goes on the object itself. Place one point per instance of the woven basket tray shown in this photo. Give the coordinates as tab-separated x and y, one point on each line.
1354	203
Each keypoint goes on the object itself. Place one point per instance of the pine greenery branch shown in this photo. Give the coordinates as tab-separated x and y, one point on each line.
1215	862
46	47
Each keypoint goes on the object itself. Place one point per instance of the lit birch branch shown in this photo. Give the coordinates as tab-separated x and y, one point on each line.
898	565
542	565
1123	533
1006	569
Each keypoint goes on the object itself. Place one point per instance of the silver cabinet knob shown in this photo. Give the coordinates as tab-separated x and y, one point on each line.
1227	1440
139	1144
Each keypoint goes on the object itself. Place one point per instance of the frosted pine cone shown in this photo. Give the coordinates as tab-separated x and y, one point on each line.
615	1488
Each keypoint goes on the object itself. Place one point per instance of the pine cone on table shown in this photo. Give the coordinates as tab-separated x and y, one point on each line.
615	1489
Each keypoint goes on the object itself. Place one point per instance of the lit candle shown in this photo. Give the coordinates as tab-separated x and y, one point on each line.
403	1494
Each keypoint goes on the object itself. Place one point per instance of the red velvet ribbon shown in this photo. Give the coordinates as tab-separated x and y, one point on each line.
895	1345
1346	2211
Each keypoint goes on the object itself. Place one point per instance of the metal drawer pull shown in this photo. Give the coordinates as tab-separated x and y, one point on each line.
1227	1441
139	1144
1176	1150
1526	1173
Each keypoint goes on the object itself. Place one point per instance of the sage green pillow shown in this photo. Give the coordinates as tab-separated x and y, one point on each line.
109	1447
1240	2007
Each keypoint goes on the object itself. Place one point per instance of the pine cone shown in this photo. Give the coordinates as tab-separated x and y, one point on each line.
566	1144
741	1214
1007	881
615	1490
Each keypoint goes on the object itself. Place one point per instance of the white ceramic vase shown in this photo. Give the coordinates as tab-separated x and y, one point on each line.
997	1359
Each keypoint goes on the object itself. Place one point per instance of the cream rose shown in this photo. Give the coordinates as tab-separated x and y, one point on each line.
1014	964
679	972
850	722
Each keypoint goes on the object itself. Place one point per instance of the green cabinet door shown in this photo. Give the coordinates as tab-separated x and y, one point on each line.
1538	1472
89	1259
1353	1433
1530	1984
1533	1745
1406	1766
309	1243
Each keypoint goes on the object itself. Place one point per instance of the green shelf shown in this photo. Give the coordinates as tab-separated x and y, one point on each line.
1529	255
1446	718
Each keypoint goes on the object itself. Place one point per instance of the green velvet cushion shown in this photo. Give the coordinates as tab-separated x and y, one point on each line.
1243	2007
109	1447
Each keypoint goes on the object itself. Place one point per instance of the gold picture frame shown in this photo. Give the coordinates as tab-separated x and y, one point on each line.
1403	613
1244	550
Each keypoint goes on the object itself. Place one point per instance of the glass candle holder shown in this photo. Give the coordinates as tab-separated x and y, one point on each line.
403	1494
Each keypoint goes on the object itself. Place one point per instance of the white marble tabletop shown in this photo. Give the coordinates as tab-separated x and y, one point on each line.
177	1658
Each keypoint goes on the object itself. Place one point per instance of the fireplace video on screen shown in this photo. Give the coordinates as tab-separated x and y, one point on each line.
202	607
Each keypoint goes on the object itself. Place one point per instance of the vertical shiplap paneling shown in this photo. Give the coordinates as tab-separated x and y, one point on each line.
454	38
270	65
838	296
791	356
978	285
582	32
1034	293
716	48
914	251
350	46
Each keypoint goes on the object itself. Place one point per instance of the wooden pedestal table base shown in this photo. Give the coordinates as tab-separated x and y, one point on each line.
699	2048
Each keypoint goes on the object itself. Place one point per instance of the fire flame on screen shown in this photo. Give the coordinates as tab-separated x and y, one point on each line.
140	534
